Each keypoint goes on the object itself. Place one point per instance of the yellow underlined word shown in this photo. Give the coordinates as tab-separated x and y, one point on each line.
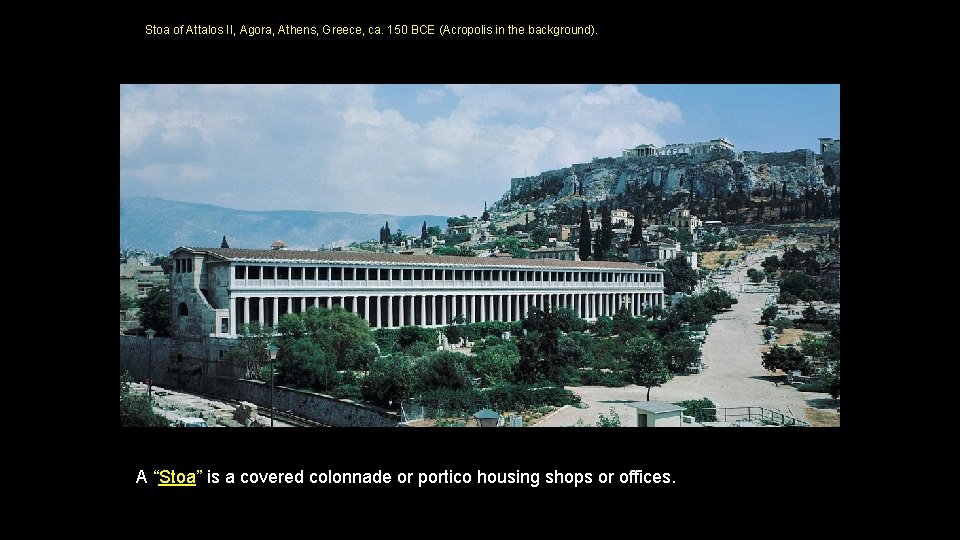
172	478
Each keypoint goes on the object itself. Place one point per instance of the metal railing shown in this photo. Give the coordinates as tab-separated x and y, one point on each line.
753	413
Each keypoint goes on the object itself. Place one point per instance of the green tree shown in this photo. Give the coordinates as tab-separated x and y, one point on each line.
603	326
360	356
756	276
604	235
385	233
636	234
423	231
678	276
796	282
336	330
831	379
680	352
389	381
644	355
769	314
155	310
608	354
568	321
291	325
126	301
408	335
813	345
495	364
540	236
783	358
716	299
624	323
434	231
443	369
584	243
248	356
135	410
303	363
540	348
511	244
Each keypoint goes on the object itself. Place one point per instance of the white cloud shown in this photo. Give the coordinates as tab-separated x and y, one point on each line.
338	147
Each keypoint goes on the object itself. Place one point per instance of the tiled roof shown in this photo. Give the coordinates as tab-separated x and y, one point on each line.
271	255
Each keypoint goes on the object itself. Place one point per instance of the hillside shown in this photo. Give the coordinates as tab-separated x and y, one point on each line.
161	225
714	175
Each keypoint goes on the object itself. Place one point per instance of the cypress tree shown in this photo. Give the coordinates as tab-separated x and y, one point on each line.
636	235
584	233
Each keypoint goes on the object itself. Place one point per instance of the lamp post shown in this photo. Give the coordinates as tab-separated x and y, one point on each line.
150	333
272	351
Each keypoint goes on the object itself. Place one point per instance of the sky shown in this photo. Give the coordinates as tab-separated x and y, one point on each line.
427	149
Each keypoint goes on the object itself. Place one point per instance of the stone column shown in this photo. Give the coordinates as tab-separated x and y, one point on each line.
423	309
246	310
276	310
443	309
483	308
402	315
390	311
233	317
260	310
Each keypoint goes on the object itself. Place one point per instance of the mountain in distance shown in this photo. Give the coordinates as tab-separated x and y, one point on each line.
161	225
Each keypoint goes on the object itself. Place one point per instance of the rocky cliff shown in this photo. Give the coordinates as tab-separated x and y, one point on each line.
719	172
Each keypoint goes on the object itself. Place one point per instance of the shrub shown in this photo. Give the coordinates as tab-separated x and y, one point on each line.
769	334
787	298
389	381
769	314
347	391
612	421
809	295
782	323
817	386
595	377
703	409
440	370
136	411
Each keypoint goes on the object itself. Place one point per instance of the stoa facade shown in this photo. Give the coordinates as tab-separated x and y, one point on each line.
216	290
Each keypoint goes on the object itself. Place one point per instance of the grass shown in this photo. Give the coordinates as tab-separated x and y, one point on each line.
822	417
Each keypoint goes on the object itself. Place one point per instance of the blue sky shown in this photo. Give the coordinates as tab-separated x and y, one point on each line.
426	149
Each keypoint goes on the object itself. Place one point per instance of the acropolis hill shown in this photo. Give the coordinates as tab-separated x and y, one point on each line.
715	167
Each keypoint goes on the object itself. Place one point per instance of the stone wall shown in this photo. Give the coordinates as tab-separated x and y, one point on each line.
178	371
317	407
797	157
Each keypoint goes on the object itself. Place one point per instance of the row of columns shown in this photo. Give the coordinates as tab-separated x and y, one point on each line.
389	311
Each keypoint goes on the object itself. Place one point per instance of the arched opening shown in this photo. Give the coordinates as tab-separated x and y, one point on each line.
182	309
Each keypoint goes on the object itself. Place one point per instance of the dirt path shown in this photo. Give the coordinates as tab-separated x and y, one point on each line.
734	376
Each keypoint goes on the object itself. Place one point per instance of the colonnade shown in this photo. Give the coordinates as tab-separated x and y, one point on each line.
395	310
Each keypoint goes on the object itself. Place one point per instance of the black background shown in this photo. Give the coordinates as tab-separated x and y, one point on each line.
772	469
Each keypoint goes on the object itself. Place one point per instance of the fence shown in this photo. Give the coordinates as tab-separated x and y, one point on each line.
759	414
411	409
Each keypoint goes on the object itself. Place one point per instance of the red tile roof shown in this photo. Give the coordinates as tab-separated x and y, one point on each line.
270	255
